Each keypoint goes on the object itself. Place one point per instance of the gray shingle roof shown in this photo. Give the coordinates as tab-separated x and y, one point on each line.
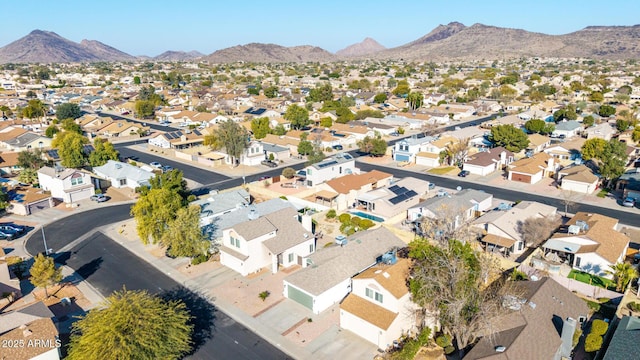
332	265
464	199
120	170
222	202
625	341
228	220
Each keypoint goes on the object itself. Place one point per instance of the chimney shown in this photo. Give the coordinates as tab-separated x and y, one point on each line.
568	328
307	224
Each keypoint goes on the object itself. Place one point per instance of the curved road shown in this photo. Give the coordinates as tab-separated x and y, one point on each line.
108	266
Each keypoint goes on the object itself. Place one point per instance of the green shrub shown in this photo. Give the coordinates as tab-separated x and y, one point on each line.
410	347
200	259
366	223
443	340
355	221
264	295
576	337
599	327
191	198
283	197
449	349
592	343
98	191
518	275
634	306
133	163
345	218
331	214
594	306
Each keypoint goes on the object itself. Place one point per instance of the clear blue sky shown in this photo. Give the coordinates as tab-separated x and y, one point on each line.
146	27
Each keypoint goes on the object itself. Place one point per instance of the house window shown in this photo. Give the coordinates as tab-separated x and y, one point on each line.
76	181
310	248
577	262
123	182
372	294
519	246
235	242
290	257
309	172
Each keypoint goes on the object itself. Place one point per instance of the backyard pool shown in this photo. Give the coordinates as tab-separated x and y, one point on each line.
367	216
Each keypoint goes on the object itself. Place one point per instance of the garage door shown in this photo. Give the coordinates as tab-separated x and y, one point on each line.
521	178
300	297
402	157
41	205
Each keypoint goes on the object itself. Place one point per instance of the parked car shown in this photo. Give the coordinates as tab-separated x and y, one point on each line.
337	147
99	197
13	228
442	193
395	133
156	165
5	236
629	202
432	186
463	173
166	168
269	163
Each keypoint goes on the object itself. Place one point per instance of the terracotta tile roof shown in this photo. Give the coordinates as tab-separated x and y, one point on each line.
428	155
368	311
9	159
391	277
537	139
12	134
579	173
346	183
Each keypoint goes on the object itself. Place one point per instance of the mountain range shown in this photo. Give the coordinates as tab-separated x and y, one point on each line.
453	41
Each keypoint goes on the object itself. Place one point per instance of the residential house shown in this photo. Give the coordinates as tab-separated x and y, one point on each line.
340	193
561	152
434	98
430	154
379	307
358	132
486	162
539	324
178	139
532	169
601	131
326	277
121	174
122	128
68	185
393	200
30	325
629	184
567	129
272	240
538	143
252	155
9	163
330	168
462	205
26	200
290	143
500	227
589	242
278	152
579	179
625	340
18	140
406	149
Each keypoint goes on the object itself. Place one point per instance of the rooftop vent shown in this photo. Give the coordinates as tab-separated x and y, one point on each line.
341	240
574	229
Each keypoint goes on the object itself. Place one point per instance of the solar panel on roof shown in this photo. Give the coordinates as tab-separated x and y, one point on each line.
398	199
410	194
347	156
323	165
53	154
394	188
197	132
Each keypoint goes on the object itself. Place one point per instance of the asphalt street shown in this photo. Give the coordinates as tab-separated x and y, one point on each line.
108	267
508	194
190	172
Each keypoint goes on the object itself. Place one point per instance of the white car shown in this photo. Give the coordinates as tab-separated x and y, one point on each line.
156	165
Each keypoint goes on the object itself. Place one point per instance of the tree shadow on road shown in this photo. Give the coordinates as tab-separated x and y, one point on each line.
202	310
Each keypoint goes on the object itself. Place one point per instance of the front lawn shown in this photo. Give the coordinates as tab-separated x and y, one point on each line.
442	170
603	193
592	280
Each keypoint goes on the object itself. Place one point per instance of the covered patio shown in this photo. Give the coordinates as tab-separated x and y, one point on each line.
495	243
325	196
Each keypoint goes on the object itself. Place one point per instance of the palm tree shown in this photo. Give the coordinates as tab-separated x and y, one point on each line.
622	273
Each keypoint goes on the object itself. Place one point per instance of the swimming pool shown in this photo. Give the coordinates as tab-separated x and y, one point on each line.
367	216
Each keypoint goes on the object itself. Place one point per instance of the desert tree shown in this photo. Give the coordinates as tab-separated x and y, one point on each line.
133	325
460	285
535	230
447	222
44	273
183	236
